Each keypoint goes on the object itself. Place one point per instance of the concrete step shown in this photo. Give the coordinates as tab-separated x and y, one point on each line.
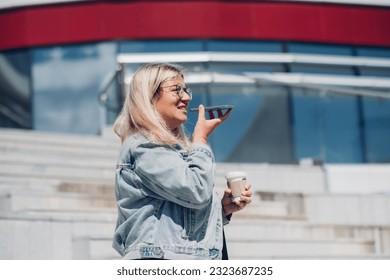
280	249
358	178
90	187
342	240
76	214
10	183
38	237
268	210
267	205
61	201
322	208
65	160
44	155
57	172
36	147
256	229
94	248
281	178
348	209
43	138
66	151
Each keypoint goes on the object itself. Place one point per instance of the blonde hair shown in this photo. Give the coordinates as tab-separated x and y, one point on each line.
139	114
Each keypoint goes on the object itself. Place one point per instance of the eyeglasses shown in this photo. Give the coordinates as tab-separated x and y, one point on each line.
179	89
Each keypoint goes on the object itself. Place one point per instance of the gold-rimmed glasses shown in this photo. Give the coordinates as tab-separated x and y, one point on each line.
180	90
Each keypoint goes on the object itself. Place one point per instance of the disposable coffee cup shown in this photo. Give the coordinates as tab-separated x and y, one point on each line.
236	181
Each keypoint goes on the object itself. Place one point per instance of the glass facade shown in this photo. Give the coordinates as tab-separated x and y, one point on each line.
327	128
66	83
15	89
77	89
376	130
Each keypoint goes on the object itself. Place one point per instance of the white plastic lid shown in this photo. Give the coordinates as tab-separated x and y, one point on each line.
235	174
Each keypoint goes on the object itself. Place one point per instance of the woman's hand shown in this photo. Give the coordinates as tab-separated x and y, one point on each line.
205	127
230	207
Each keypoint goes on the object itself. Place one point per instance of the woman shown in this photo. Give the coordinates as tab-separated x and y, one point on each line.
167	208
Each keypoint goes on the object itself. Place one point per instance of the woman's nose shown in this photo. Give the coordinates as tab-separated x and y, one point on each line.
186	96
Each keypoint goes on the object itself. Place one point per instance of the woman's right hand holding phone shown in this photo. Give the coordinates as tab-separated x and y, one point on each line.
204	127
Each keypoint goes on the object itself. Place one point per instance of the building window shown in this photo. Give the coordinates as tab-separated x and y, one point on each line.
15	89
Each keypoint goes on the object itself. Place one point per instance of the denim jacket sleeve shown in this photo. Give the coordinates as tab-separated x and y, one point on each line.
186	181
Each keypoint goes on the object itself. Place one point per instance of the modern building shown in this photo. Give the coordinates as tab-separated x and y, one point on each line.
308	79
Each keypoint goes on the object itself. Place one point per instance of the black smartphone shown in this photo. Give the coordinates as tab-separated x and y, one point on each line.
214	108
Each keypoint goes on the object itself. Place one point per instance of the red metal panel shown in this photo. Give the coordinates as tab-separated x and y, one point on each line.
96	21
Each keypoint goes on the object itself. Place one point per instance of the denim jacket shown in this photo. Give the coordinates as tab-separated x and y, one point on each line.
167	207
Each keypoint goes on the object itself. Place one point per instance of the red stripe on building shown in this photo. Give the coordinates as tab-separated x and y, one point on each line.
100	21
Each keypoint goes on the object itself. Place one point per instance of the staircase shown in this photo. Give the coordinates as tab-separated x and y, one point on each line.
293	236
56	195
57	202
